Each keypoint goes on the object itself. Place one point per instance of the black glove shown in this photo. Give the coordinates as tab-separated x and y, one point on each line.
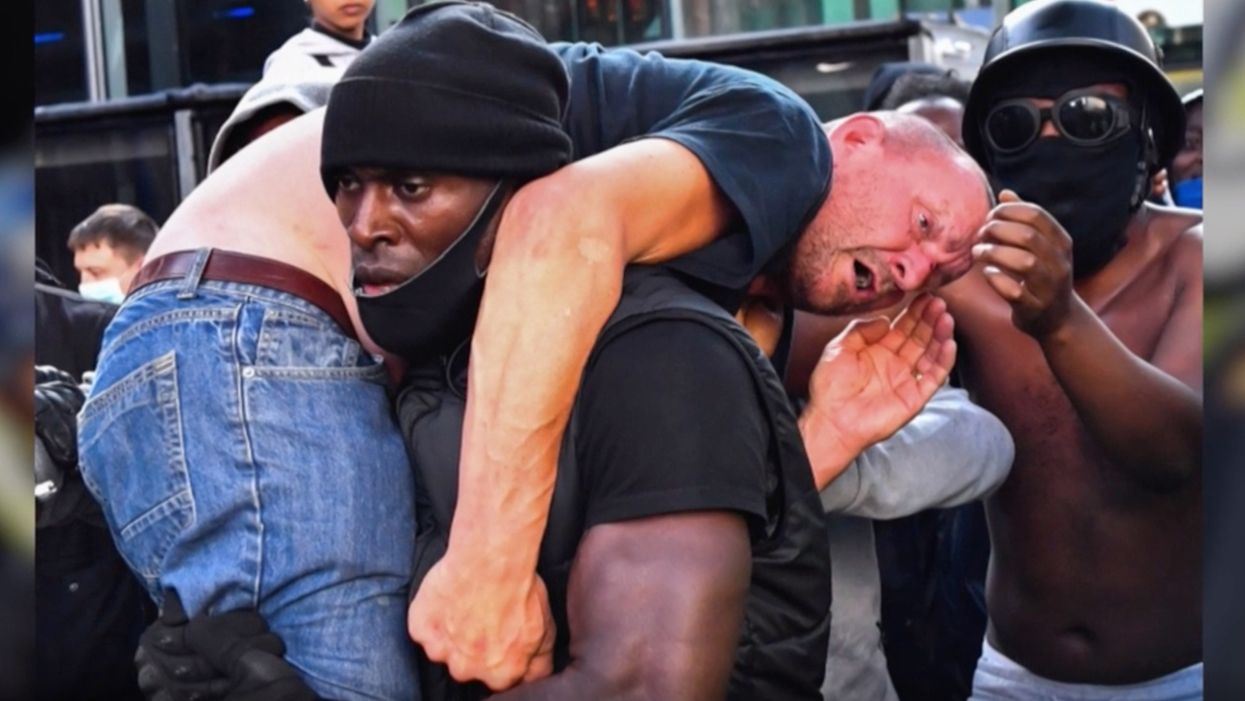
57	403
232	656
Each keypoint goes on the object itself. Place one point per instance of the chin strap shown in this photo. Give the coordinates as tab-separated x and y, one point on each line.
1147	166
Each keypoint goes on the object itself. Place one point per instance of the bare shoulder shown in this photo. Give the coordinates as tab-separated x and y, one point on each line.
1178	235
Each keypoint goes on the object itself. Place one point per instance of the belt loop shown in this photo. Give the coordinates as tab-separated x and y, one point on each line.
190	283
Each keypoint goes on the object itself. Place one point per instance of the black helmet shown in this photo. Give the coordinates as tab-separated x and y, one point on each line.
1044	26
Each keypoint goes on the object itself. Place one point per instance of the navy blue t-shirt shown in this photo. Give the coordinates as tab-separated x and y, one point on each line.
760	142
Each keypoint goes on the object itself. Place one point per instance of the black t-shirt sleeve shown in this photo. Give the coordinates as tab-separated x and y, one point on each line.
760	142
670	421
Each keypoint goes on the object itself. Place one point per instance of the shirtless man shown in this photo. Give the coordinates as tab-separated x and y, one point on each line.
1081	330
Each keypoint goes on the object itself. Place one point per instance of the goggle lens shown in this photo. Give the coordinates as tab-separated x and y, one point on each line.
1087	117
1012	126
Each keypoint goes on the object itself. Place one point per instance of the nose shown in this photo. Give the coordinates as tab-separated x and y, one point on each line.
910	270
1048	129
369	224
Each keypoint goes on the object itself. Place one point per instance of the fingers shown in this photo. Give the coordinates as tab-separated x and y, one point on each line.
1027	214
541	667
938	372
944	331
223	639
911	316
1009	233
914	347
907	323
426	633
1008	196
495	677
860	334
1015	260
1007	287
174	613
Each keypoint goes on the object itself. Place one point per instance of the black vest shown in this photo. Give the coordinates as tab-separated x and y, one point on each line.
782	649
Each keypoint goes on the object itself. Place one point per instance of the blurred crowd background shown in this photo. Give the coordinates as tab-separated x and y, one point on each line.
1224	610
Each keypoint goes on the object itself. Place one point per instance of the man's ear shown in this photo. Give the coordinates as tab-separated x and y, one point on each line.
859	130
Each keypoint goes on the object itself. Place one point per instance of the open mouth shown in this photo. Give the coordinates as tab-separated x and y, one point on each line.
373	281
865	278
369	290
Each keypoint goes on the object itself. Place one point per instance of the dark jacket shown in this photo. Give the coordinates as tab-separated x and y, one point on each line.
89	608
782	651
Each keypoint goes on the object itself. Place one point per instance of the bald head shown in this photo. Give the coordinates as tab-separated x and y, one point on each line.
904	207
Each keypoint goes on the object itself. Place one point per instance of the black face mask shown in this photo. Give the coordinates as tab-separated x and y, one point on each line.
1091	191
430	314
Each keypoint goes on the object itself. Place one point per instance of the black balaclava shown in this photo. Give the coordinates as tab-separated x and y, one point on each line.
1092	191
457	88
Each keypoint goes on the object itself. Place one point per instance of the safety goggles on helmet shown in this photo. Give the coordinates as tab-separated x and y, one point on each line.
1085	117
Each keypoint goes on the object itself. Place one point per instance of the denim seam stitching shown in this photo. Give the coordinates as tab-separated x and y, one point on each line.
162	371
169	397
211	314
113	394
240	388
367	372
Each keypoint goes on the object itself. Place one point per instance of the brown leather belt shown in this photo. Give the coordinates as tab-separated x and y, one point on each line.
227	266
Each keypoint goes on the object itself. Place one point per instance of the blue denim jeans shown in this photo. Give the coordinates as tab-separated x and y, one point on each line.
245	454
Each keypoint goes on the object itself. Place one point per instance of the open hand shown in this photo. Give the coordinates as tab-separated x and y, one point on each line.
872	379
1028	258
483	628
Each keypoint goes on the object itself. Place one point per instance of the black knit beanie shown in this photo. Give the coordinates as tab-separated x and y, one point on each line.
455	87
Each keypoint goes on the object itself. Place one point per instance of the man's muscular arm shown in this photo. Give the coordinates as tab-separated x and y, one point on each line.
556	276
1145	415
655	607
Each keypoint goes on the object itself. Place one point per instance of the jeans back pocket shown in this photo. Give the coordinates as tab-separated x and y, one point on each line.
133	460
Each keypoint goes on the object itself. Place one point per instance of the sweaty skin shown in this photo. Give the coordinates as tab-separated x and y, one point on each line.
1096	568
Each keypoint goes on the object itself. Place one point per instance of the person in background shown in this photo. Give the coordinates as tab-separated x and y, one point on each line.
938	97
336	36
297	77
267	105
1186	168
89	610
953	452
108	249
885	77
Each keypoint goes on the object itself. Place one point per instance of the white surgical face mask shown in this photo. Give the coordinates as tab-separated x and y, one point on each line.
108	290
